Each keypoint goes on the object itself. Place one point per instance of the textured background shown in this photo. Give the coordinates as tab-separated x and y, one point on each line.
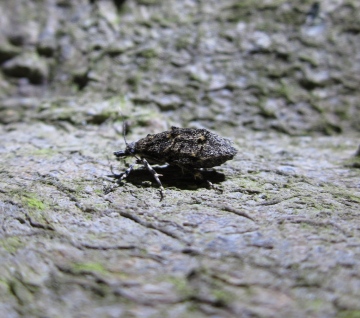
281	84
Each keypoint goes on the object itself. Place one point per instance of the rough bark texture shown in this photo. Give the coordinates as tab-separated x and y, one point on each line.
282	238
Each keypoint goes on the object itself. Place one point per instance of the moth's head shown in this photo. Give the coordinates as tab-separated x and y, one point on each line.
129	151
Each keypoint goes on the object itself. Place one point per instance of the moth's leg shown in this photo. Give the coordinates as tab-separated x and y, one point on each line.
122	175
126	173
118	176
199	176
156	176
210	184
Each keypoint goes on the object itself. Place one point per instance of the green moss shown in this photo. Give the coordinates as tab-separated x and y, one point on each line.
148	53
349	314
143	117
33	202
23	292
223	297
3	284
11	244
353	162
99	191
307	58
46	152
343	114
167	21
149	2
101	206
314	306
113	109
195	77
78	186
182	42
342	193
88	268
182	286
307	227
285	91
243	10
250	185
134	81
317	304
268	26
317	107
243	4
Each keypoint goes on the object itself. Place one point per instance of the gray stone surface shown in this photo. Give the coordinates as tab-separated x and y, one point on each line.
282	237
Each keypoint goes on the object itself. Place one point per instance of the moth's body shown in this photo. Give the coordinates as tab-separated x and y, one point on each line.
188	148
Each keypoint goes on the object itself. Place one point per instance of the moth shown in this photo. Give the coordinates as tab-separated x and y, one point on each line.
188	148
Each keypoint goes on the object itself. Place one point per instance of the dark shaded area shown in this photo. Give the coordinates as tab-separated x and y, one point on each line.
173	176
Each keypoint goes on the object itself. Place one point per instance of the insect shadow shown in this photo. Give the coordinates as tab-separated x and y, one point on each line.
183	180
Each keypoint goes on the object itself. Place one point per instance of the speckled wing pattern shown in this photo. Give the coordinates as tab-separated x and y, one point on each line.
186	147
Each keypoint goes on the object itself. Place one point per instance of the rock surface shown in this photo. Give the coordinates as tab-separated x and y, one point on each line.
281	238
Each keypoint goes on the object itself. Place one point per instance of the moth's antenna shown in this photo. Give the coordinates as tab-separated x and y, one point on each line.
124	132
123	153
